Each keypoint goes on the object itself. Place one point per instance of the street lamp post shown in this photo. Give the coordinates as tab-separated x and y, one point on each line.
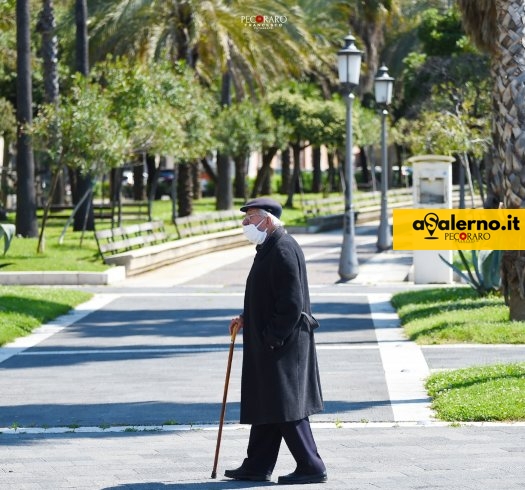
383	86
349	64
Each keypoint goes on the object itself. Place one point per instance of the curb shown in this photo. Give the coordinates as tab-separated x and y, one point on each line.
63	278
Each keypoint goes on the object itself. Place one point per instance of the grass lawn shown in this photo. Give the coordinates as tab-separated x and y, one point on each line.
22	309
489	393
79	251
459	315
72	255
456	315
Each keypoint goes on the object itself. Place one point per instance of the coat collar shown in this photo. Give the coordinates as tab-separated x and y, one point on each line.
268	244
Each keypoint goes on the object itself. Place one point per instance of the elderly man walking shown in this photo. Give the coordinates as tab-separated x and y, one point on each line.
280	385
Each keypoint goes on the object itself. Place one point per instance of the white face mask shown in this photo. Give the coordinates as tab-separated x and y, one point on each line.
252	233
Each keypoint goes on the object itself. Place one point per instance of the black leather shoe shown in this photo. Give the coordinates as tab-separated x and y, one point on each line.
244	474
300	478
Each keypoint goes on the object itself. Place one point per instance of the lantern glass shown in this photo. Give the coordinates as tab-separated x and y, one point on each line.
383	86
349	62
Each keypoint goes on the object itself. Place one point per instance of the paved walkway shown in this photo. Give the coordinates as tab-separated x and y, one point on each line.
125	392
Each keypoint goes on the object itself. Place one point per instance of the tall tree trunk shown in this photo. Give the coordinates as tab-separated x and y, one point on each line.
151	184
184	191
371	31
115	188
363	160
241	174
264	172
50	170
509	136
317	175
296	176
85	217
266	183
196	179
82	39
174	193
138	179
26	221
224	162
285	170
206	164
47	28
331	182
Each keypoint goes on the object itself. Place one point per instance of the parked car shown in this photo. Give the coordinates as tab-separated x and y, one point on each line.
164	180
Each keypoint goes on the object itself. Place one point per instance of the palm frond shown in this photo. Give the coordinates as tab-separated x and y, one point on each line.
480	22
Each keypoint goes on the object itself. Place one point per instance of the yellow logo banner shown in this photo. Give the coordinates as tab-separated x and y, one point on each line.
459	229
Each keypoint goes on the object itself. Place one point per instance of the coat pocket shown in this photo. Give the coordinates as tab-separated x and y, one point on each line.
308	322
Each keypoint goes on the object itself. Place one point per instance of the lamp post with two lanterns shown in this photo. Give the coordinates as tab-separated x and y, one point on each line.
383	85
349	64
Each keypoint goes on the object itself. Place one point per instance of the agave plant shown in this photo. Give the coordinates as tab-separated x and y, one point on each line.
7	232
486	277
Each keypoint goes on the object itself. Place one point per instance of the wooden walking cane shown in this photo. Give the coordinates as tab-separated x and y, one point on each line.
235	328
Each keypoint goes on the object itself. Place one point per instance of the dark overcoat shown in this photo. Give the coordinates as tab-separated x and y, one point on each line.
280	375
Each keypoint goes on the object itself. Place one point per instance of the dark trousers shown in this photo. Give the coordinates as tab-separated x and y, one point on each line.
265	441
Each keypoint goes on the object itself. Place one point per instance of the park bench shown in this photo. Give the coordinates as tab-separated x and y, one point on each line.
129	211
201	224
147	246
327	213
121	239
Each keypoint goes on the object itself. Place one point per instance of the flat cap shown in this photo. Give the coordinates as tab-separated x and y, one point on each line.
266	203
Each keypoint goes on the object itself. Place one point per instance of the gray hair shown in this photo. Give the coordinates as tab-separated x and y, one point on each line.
274	219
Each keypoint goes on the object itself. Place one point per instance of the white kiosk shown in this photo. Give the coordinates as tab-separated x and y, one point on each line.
432	188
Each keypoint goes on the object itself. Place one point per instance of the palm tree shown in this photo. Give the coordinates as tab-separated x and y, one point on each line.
207	35
368	20
497	27
47	28
216	39
7	113
7	26
84	217
26	222
328	25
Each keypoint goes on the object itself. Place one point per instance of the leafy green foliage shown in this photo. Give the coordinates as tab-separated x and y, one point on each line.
89	138
134	103
7	119
188	104
236	129
458	84
7	231
7	50
273	132
127	108
489	393
482	273
442	34
160	107
442	133
312	118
